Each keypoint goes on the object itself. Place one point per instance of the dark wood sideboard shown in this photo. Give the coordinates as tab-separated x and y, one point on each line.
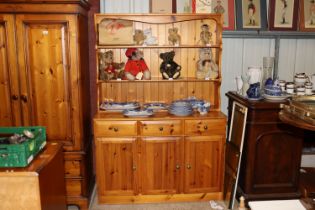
272	152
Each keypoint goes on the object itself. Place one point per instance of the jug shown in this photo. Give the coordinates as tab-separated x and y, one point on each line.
254	74
239	84
312	80
245	86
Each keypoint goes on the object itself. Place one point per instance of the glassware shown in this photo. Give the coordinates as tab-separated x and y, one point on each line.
268	64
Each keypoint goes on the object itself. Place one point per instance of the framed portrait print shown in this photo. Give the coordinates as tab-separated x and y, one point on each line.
183	6
307	15
202	6
225	7
283	15
163	6
251	15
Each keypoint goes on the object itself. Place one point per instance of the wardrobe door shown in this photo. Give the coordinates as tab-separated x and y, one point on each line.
49	77
9	90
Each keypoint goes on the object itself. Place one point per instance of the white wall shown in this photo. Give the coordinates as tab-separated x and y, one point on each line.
296	55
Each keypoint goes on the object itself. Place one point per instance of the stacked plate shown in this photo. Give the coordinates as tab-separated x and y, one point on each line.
181	108
119	106
155	106
138	113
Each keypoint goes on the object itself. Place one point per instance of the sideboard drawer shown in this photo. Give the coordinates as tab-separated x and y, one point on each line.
115	128
205	127
160	128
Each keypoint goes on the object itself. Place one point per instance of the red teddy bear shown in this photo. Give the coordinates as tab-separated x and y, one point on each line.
136	67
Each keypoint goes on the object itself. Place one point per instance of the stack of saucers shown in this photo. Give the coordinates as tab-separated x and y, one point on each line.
181	108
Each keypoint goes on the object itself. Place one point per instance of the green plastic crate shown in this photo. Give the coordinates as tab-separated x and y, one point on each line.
20	155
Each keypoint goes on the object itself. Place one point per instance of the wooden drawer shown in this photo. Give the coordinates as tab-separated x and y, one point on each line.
205	127
160	128
115	128
74	187
73	168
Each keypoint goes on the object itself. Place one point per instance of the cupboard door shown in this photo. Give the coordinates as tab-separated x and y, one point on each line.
49	77
116	166
9	90
203	164
160	165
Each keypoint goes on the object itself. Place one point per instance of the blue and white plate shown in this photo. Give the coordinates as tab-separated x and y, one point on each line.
119	106
155	106
138	113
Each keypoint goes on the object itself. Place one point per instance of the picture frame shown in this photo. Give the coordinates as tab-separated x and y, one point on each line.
251	15
202	6
163	6
115	32
307	15
225	7
283	15
184	6
234	151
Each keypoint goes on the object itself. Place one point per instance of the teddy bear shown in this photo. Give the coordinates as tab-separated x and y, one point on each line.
150	40
173	36
205	35
139	37
136	68
108	69
168	68
206	67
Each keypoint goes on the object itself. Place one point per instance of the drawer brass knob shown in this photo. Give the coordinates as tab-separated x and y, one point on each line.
115	129
161	128
134	167
205	127
177	166
188	166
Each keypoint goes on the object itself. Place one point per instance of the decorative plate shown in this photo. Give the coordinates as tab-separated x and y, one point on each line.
138	113
276	98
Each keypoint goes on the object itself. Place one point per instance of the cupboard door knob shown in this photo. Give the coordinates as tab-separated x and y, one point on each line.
15	97
134	167
24	98
188	166
205	127
177	166
161	128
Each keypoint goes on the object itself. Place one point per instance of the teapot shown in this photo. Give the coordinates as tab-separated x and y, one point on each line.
254	74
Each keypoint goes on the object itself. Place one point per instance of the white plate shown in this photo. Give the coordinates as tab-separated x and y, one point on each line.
135	113
276	98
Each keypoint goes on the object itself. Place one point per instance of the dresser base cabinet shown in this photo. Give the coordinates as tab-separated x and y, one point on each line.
271	154
160	159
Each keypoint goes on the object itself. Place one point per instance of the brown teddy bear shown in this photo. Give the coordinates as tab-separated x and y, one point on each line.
206	67
139	37
205	35
173	36
108	69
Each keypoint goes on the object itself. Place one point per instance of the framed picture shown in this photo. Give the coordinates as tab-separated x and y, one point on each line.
233	152
251	15
307	15
184	6
115	32
202	6
283	15
163	6
225	7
